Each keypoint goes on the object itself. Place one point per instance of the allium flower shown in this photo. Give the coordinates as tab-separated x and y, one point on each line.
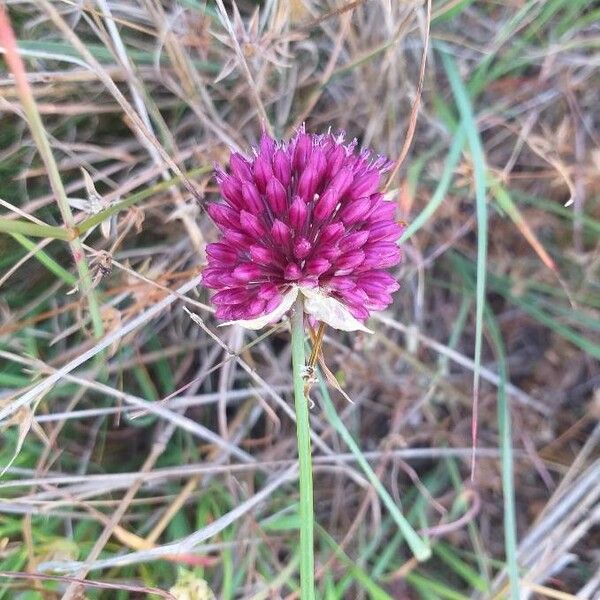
303	217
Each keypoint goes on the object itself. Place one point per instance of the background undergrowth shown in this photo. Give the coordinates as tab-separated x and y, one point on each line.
140	449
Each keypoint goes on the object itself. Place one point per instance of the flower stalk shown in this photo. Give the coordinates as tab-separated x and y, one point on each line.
307	570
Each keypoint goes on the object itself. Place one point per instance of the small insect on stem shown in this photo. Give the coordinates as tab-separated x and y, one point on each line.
317	340
308	373
103	264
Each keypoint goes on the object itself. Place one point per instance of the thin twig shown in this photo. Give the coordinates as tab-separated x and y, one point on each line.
414	113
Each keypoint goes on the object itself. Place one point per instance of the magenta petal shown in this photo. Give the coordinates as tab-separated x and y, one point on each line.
222	252
247	272
254	308
231	188
381	211
316	266
264	256
298	214
354	211
309	281
302	248
277	196
342	181
354	241
236	239
231	296
218	278
302	151
312	174
382	278
364	185
346	263
211	277
267	146
281	233
381	255
379	301
251	197
273	303
329	251
375	282
308	183
381	247
267	291
251	224
318	162
335	160
325	206
262	172
355	296
224	313
331	232
359	312
240	167
282	168
292	272
387	231
341	283
223	215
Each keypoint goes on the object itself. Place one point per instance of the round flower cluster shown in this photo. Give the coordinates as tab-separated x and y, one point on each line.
304	217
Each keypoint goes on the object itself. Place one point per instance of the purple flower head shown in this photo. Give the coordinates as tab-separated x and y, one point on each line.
303	216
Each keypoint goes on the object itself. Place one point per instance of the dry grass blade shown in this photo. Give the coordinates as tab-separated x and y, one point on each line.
106	342
414	112
189	543
264	119
91	584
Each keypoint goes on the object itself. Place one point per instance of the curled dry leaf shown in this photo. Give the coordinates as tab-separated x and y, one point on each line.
272	317
94	204
23	419
317	304
330	311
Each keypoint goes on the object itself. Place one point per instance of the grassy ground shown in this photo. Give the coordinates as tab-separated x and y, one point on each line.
140	450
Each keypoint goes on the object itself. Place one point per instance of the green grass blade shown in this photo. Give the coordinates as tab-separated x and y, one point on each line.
530	304
442	187
506	450
430	586
46	260
479	169
460	567
376	592
63	51
418	547
582	342
12	226
557	209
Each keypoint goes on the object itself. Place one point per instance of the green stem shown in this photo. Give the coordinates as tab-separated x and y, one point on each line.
307	572
15	226
134	198
36	126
